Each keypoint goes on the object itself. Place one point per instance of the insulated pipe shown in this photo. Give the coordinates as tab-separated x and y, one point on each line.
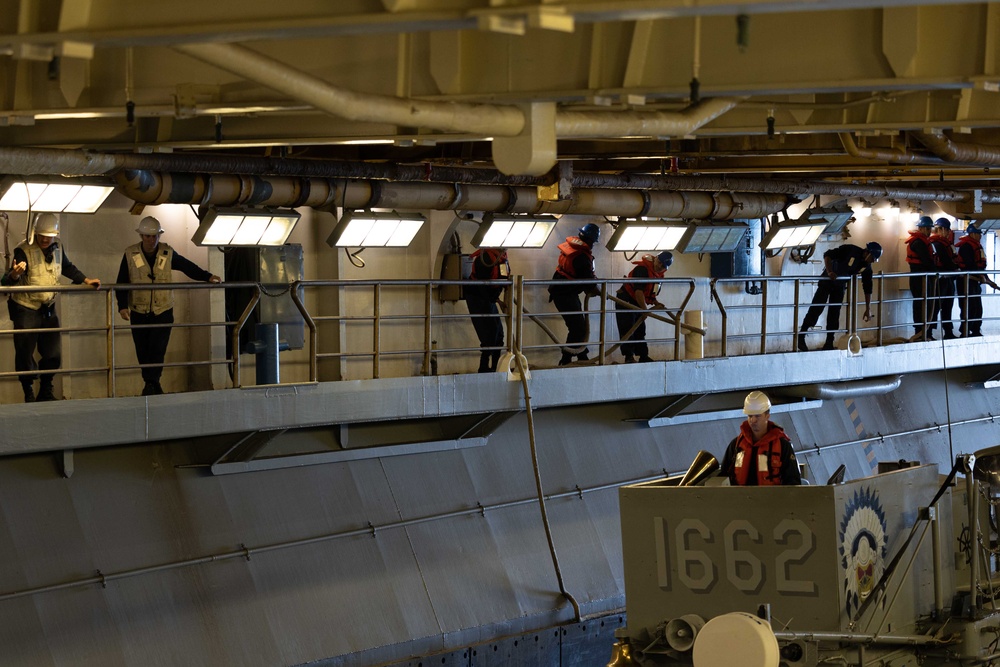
483	119
960	153
841	390
53	161
148	187
890	155
598	124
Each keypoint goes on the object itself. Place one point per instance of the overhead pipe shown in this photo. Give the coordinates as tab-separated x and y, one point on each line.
75	162
841	390
958	153
148	187
599	124
890	155
482	119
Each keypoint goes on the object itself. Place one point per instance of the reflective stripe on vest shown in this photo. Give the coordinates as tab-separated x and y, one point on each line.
769	445
142	301
39	274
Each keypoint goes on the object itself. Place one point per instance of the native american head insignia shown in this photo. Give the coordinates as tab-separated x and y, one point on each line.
863	546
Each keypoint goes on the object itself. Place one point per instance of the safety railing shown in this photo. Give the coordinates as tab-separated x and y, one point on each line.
375	329
769	311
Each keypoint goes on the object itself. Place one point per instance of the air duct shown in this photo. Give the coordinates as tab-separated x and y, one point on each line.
842	390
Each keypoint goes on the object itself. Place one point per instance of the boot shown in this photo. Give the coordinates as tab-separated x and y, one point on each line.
29	392
949	333
566	359
494	360
583	356
801	342
149	389
484	362
828	345
45	392
629	359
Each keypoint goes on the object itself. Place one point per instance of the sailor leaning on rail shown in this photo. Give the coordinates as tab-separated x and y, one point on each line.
761	455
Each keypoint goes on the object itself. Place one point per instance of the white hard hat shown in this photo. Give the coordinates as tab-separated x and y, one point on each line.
46	224
756	403
149	225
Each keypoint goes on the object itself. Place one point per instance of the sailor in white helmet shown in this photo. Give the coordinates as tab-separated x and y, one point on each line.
149	262
38	262
761	455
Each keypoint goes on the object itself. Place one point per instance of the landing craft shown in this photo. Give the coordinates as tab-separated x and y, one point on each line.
896	570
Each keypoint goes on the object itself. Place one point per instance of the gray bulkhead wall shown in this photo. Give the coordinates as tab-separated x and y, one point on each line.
383	591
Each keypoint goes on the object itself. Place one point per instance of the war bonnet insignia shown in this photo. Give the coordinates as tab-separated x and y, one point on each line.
863	546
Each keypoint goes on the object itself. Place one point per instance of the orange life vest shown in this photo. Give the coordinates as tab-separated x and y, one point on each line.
568	251
980	254
490	259
649	290
916	238
943	250
747	449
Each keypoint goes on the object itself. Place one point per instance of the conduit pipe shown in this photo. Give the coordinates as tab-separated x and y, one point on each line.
959	153
148	187
482	119
842	390
775	186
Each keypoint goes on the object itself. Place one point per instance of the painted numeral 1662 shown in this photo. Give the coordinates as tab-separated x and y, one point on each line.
744	569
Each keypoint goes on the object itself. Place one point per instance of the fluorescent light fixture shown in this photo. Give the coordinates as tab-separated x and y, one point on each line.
514	231
364	229
644	235
251	227
53	197
836	215
794	234
713	237
986	225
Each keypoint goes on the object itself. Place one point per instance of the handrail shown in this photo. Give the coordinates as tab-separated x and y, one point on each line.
394	330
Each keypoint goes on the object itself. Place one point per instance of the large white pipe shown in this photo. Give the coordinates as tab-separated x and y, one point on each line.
482	119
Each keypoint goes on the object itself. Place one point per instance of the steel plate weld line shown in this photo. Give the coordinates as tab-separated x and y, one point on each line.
243	552
882	437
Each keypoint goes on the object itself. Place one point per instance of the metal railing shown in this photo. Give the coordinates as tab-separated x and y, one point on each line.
369	326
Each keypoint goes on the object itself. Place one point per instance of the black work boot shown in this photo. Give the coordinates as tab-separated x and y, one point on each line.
45	392
801	342
829	342
29	392
566	359
484	362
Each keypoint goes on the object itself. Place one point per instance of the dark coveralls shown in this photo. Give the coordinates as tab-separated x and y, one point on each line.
482	300
945	256
920	257
151	343
575	263
970	303
626	318
845	260
49	344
